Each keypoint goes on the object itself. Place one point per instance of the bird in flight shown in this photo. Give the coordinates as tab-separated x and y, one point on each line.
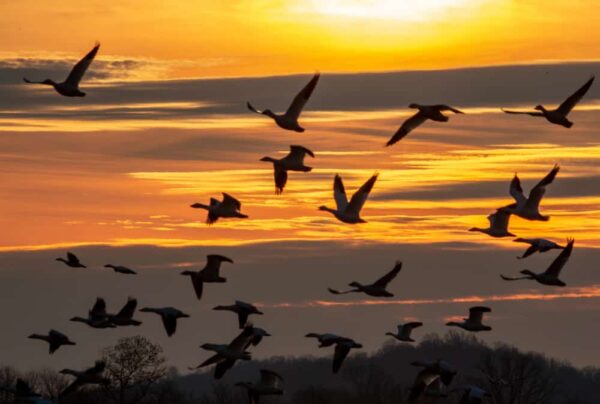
404	331
294	161
71	261
269	384
209	274
289	120
70	87
169	316
550	276
55	340
475	320
529	208
97	316
559	115
431	112
121	269
349	212
92	375
431	373
227	208
242	309
498	225
537	245
376	289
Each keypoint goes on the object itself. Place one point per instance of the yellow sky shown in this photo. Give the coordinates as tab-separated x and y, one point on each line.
258	37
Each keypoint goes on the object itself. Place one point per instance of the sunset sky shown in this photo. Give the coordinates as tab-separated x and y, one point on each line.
111	176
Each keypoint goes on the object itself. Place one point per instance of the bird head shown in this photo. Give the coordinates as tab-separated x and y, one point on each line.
414	106
540	108
268	159
354	284
190	273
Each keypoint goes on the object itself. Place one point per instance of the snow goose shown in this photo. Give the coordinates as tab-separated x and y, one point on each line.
559	115
498	225
70	87
55	340
471	394
432	112
169	316
349	212
550	276
227	354
377	289
92	375
269	384
209	274
404	331
71	261
294	161
121	269
537	245
125	316
289	120
431	372
474	321
343	345
227	208
242	309
325	340
529	208
97	316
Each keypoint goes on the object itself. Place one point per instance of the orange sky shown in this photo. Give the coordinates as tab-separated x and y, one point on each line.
250	37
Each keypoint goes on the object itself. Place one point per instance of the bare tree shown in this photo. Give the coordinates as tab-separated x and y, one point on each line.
47	382
134	365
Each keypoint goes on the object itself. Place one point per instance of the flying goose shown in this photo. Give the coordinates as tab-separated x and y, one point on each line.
228	207
529	208
209	274
125	316
325	340
97	316
89	376
349	212
377	289
498	225
169	316
70	87
431	372
71	261
471	394
404	331
55	340
242	309
550	276
537	245
121	269
558	116
226	355
474	321
294	161
289	120
269	384
433	112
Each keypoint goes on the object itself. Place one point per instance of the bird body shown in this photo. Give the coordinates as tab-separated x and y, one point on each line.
376	289
498	225
97	316
229	207
55	340
474	322
209	274
537	245
71	261
529	208
426	112
349	212
431	373
169	317
294	161
92	375
242	309
125	316
404	331
343	345
121	269
269	384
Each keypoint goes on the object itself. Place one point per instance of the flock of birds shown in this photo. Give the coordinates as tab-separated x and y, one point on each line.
433	375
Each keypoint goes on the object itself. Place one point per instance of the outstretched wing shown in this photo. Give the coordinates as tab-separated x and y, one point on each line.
223	367
129	309
499	220
537	192
476	313
532	113
213	264
302	97
71	388
444	107
72	258
511	278
407	126
341	292
81	67
281	176
516	191
198	285
170	324
560	261
339	193
424	379
570	102
99	309
297	153
387	278
360	197
97	369
531	250
341	351
229	202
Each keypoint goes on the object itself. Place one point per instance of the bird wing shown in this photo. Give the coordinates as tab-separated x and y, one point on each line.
170	324
499	220
444	107
360	197
213	264
476	313
99	309
223	367
531	250
198	285
424	378
71	388
251	108
241	342
72	258
281	176
297	153
413	324
212	360
560	261
387	278
339	193
341	351
570	102
97	369
230	202
513	278
81	67
341	292
537	192
516	191
302	97
270	378
407	126
242	318
128	310
532	113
